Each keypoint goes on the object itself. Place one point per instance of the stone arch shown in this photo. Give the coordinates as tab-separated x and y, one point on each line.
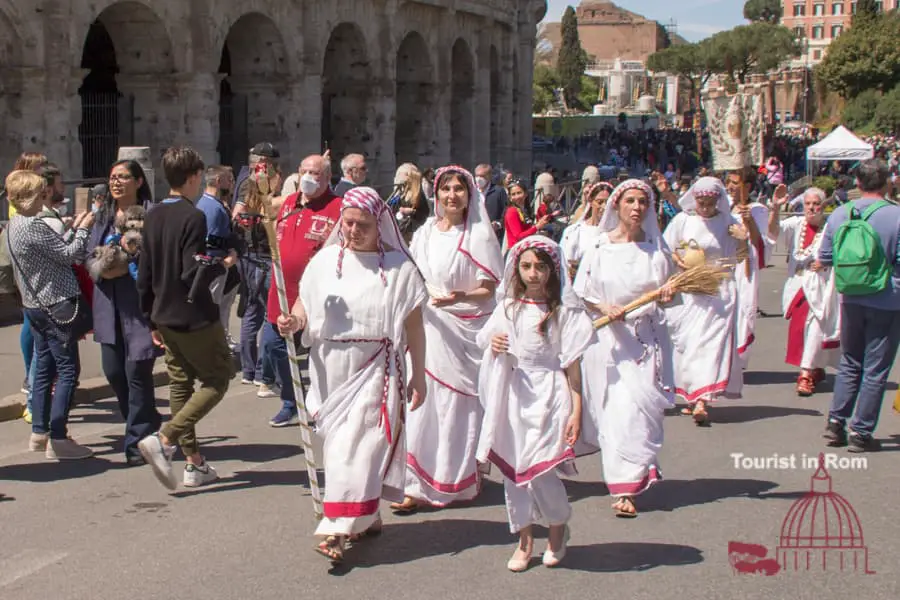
414	132
495	92
254	70
347	89
462	101
126	53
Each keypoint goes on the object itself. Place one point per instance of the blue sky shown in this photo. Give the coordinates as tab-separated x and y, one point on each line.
696	19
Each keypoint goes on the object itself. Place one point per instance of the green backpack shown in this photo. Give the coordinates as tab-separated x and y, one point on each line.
860	266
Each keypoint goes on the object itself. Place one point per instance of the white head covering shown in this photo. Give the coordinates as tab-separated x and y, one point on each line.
706	187
610	218
367	199
479	242
584	204
538	242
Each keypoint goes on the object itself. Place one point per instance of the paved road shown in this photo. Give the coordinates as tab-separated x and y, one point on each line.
96	531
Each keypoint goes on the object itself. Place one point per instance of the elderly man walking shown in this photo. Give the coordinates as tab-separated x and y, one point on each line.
868	276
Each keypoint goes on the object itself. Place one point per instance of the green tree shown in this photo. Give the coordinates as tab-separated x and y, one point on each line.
765	11
544	87
590	92
696	63
755	48
887	114
572	60
865	9
866	56
859	112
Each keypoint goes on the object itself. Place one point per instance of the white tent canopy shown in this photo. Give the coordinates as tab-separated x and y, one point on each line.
840	144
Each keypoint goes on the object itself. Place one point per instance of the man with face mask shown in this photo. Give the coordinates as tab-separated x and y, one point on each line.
305	221
495	198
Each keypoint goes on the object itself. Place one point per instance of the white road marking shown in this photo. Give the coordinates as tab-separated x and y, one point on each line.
27	563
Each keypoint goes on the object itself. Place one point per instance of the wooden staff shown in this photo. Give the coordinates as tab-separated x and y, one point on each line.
269	221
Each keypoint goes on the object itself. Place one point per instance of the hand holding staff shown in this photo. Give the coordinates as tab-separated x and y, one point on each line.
702	279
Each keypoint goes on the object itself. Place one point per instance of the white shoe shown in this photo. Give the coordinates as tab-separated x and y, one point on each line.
67	450
38	442
159	457
195	476
551	558
268	391
245	381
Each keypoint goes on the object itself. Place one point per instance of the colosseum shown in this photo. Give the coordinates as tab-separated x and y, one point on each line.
429	81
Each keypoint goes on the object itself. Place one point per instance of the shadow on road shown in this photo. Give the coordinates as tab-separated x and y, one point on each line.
769	377
580	490
629	556
252	479
407	542
725	413
45	472
5	498
672	494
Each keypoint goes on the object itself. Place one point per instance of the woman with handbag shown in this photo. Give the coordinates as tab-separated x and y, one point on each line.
58	313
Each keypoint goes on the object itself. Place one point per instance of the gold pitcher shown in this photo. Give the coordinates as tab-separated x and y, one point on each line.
692	255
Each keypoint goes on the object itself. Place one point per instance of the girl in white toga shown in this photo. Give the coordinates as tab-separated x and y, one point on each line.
530	385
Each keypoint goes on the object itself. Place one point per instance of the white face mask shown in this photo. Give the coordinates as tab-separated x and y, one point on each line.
309	185
482	183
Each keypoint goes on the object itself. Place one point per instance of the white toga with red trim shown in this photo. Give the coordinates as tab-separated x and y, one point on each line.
357	382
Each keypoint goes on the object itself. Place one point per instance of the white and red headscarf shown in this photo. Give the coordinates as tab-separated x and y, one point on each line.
368	200
706	187
538	242
478	242
610	218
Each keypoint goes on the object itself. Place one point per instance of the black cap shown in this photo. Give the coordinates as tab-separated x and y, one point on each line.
265	149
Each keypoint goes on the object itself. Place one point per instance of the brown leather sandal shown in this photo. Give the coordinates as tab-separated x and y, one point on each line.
332	548
701	417
625	508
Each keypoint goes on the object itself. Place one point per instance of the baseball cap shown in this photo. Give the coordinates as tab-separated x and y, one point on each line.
265	149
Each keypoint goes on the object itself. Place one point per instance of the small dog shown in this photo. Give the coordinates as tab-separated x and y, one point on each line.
122	247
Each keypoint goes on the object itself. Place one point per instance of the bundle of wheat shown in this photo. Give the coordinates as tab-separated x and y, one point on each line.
703	279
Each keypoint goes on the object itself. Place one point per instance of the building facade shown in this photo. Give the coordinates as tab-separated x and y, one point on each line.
609	32
427	81
821	21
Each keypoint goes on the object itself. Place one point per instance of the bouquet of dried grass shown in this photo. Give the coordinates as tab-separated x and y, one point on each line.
703	279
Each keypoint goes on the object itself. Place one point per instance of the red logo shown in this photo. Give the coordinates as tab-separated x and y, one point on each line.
821	532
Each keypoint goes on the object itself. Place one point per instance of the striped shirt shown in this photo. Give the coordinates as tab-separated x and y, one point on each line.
43	261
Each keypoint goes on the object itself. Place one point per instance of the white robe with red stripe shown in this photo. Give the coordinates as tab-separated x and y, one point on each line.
627	373
747	285
357	382
442	435
703	328
525	391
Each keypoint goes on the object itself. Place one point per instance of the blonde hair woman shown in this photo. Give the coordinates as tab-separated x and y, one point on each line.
53	303
408	200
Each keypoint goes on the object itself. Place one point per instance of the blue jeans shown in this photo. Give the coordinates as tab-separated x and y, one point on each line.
50	409
31	373
26	341
869	341
255	365
132	383
275	347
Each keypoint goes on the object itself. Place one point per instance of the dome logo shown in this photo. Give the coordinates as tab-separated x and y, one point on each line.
821	532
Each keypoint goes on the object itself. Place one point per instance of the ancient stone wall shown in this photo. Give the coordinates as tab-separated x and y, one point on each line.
399	80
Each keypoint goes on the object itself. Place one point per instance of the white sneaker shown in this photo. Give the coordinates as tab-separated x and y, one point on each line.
268	391
159	457
245	381
195	476
67	450
38	442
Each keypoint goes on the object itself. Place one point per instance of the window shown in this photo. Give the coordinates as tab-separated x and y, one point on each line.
853	8
818	32
798	31
836	30
818	10
879	6
817	55
837	9
799	10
